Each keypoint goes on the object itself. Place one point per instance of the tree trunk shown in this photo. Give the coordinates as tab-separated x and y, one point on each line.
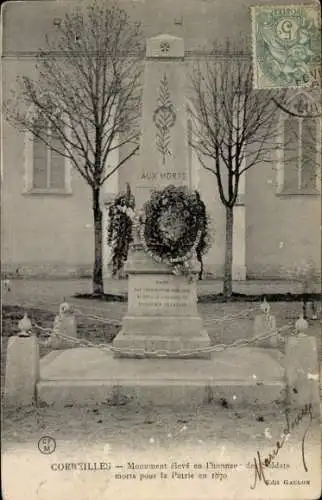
228	270
199	258
98	286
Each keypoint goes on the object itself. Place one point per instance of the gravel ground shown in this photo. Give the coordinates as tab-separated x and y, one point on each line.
137	427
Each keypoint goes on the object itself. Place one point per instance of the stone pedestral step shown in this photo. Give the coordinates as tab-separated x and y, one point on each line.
247	376
138	346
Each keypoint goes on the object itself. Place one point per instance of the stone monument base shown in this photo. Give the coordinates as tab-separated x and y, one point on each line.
87	375
162	318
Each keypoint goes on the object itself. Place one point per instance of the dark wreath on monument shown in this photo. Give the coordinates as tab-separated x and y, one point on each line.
119	234
174	228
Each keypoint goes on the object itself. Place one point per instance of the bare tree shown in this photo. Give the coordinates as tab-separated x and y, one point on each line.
235	128
87	94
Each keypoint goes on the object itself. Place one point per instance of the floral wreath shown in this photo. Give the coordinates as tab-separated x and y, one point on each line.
174	228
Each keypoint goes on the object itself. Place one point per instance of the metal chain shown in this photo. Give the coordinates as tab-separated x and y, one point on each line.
161	353
118	323
98	318
165	353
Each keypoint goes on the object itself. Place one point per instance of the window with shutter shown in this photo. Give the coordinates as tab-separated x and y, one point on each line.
47	171
56	165
291	153
309	152
40	165
300	151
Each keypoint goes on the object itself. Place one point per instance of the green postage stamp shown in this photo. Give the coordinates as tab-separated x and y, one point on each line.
286	46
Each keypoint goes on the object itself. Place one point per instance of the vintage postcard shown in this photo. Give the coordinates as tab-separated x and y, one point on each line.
161	250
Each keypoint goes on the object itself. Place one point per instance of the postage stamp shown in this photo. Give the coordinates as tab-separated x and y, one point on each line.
286	46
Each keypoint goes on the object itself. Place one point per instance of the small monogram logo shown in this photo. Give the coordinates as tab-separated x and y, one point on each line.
46	445
164	47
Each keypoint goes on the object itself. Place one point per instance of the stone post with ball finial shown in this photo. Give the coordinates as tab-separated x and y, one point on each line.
22	366
302	367
265	323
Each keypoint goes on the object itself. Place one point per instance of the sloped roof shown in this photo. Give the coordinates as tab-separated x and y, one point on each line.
199	22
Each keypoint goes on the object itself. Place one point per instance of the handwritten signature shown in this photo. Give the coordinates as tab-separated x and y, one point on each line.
260	464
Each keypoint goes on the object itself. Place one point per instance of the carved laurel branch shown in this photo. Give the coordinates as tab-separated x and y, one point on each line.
164	118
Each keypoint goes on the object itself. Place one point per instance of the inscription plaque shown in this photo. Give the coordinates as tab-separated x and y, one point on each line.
162	296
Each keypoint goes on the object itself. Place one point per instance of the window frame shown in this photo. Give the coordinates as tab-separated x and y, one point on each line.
29	188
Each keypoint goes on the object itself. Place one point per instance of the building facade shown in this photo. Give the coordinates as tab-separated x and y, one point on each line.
47	223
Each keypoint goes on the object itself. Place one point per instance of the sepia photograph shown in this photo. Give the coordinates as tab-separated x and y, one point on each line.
161	249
